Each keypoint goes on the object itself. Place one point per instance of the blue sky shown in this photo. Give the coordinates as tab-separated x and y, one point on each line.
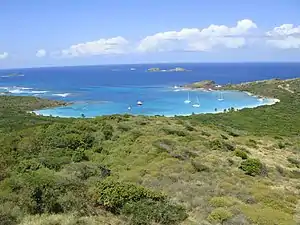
56	33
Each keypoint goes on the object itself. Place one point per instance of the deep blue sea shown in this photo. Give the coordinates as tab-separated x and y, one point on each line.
111	89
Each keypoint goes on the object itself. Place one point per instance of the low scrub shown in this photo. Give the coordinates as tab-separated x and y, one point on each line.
221	145
219	215
146	212
241	154
252	167
113	195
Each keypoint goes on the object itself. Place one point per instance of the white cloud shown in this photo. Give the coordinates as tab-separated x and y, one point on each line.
115	45
286	36
194	39
4	55
41	53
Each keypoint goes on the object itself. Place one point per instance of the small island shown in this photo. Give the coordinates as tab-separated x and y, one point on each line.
177	69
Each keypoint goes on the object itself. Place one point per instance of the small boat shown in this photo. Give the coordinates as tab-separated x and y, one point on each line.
261	99
129	108
139	103
221	97
188	101
197	104
132	69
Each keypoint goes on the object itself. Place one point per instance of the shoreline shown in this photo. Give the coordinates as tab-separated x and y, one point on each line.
271	101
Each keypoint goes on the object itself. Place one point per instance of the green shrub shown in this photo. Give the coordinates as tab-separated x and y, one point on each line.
241	154
107	131
219	215
113	195
223	201
173	131
281	145
124	127
79	156
252	167
145	212
221	145
7	219
28	165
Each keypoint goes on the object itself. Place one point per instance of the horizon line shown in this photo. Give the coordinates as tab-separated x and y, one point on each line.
152	63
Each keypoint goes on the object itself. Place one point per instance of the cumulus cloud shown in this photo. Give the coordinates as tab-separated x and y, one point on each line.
4	55
194	39
115	45
41	53
286	36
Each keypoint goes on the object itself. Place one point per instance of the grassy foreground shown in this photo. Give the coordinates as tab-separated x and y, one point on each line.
233	168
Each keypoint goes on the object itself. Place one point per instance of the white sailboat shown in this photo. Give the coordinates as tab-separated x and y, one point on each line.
221	97
188	101
197	104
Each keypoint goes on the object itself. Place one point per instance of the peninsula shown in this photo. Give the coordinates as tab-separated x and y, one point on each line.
205	84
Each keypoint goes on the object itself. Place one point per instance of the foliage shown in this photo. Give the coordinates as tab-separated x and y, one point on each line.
107	130
72	171
252	167
222	201
114	195
241	154
219	215
221	145
146	212
78	156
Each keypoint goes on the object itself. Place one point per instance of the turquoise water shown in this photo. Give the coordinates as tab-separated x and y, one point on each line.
111	89
160	101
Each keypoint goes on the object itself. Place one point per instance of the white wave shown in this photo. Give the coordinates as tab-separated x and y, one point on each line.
16	75
38	92
62	95
22	90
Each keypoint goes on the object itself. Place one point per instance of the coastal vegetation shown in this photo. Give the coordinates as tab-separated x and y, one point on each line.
206	84
234	168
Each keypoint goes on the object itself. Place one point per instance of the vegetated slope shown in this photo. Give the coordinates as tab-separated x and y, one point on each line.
149	170
282	118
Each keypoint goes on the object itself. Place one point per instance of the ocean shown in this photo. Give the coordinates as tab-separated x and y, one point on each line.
115	89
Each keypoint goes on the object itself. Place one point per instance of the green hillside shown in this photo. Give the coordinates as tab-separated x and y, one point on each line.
234	168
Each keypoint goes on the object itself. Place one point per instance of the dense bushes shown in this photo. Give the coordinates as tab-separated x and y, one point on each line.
114	195
252	167
142	205
241	154
147	211
221	145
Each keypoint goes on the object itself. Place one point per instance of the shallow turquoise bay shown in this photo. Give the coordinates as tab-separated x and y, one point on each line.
157	101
